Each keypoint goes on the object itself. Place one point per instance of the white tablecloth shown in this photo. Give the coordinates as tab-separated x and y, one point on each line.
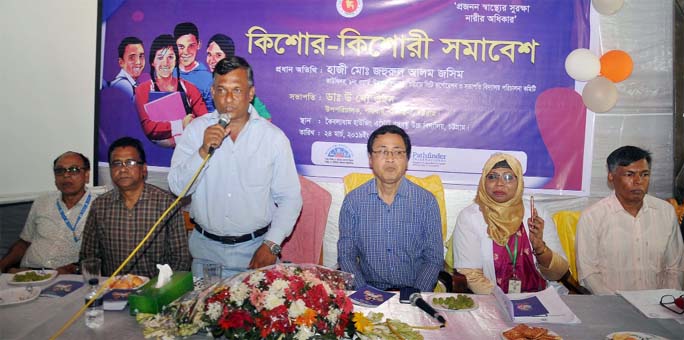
600	315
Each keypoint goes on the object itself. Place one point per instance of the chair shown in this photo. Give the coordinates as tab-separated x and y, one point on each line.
566	225
305	244
433	184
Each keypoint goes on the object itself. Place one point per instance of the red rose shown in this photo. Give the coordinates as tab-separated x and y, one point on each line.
317	299
236	318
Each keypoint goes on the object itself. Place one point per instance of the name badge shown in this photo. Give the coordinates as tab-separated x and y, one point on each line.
514	286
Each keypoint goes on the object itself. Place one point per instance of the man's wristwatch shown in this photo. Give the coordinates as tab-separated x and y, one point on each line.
274	247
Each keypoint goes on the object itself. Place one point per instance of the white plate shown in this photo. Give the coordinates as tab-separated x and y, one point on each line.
145	280
634	336
53	275
17	295
552	333
444	308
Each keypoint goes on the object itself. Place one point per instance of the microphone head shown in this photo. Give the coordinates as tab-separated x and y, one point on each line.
414	297
224	120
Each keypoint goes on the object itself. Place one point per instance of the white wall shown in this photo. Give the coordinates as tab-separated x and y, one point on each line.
47	95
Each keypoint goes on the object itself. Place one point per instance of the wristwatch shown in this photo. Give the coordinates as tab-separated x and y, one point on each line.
274	247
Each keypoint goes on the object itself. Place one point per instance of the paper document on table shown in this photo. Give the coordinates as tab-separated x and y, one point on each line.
546	306
648	302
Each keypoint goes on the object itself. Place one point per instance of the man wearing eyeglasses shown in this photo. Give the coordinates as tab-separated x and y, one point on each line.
121	217
629	240
51	237
390	228
247	198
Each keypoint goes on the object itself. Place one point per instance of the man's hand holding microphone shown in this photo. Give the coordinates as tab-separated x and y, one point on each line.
214	135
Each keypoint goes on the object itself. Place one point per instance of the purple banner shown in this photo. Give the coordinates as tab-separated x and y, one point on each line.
464	79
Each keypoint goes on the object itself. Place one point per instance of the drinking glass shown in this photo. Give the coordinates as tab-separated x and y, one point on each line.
91	269
211	273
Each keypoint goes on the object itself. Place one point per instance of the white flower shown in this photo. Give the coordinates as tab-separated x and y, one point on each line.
278	287
304	333
273	301
333	315
239	293
256	277
214	310
297	308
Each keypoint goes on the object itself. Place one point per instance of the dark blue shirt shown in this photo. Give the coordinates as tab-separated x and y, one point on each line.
397	245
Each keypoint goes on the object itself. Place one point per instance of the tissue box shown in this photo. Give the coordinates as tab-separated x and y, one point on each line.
152	300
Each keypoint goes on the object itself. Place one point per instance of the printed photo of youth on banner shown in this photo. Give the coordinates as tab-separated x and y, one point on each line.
464	79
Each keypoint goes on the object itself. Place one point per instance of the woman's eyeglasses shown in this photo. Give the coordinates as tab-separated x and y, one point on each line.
73	170
507	177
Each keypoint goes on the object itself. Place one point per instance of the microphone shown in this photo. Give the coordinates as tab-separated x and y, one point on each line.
417	300
224	120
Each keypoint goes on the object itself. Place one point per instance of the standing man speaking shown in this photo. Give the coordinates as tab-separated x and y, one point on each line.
246	200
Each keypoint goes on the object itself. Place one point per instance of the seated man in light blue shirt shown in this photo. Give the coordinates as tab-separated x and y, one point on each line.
390	228
247	198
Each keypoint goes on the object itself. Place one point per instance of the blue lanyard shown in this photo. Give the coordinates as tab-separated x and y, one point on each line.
78	219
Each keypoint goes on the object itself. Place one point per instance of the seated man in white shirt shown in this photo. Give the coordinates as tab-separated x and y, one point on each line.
52	234
629	240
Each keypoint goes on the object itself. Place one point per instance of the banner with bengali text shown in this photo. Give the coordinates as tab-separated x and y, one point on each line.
465	79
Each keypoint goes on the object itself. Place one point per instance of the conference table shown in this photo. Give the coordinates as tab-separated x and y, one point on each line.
599	315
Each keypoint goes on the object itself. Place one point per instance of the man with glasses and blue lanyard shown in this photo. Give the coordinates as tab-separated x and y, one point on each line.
390	228
121	217
629	240
52	234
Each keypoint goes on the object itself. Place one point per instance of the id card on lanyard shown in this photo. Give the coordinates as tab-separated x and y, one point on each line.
514	284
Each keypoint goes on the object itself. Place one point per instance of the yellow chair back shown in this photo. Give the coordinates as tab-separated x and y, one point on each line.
566	225
432	183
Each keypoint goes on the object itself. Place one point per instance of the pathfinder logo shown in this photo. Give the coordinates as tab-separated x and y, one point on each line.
349	8
428	159
339	154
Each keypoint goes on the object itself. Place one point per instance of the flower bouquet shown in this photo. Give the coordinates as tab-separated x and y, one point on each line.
282	301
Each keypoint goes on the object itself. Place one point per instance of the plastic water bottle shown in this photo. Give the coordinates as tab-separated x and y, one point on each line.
94	315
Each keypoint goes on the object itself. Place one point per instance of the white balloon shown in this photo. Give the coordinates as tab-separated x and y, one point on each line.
607	7
600	94
582	65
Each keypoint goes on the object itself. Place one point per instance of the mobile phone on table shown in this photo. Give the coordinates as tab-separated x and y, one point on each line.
405	294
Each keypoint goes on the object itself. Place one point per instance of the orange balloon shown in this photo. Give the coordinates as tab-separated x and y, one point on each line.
616	65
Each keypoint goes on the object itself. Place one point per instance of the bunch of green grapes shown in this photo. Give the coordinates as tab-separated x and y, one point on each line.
459	302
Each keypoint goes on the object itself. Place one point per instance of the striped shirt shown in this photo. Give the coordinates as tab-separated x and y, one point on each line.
112	231
397	245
